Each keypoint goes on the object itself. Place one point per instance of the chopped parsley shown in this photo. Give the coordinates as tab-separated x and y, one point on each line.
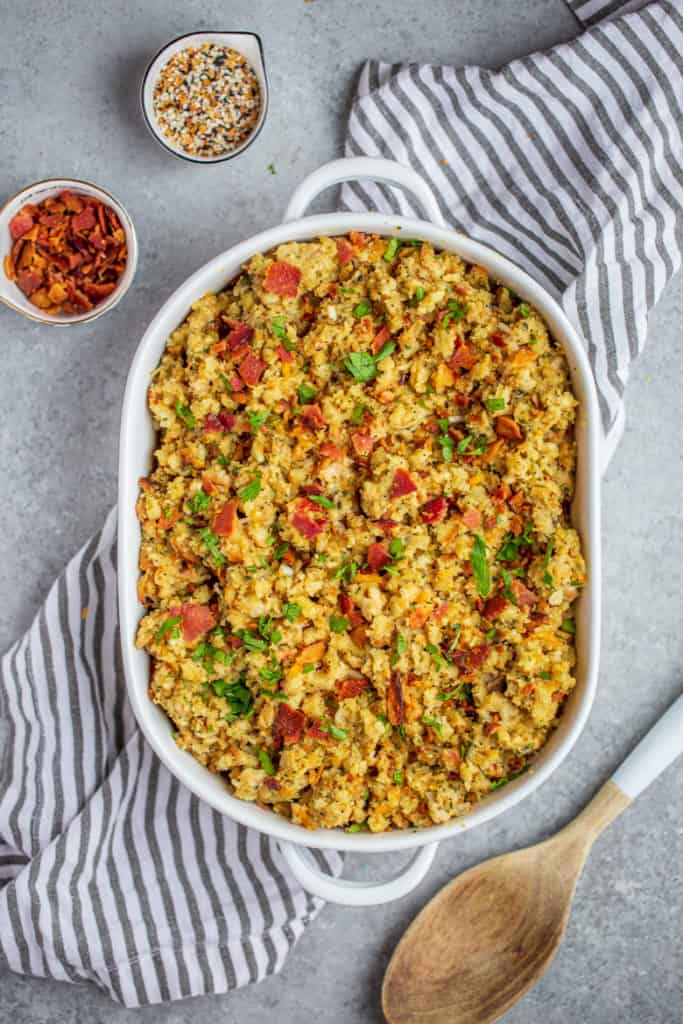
357	414
238	696
472	445
252	489
257	419
400	648
185	414
494	404
398	777
456	312
509	551
200	501
386	350
508	592
309	668
433	724
291	611
547	575
419	294
359	826
480	566
445	440
339	623
321	500
280	551
437	657
546	675
167	626
361	366
497	783
347	571
361	310
391	249
524	310
275	694
271	673
306	393
460	693
278	329
334	731
212	543
264	759
271	168
568	626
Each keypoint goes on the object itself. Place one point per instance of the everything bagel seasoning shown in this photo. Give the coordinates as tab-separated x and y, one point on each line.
207	100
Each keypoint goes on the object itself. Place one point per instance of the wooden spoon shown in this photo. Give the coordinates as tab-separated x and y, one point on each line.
489	935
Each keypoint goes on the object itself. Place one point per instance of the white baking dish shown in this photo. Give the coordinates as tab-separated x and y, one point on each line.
137	445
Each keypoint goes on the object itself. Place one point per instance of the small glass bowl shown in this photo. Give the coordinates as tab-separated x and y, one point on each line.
12	295
246	43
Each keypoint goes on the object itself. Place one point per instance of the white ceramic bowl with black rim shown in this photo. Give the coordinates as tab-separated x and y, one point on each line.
12	295
138	441
248	44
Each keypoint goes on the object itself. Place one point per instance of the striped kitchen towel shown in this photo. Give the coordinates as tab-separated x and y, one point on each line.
570	163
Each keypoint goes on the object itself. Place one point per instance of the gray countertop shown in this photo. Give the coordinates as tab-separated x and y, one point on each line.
69	74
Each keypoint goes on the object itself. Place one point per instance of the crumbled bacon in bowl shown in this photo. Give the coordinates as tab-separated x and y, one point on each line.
367	496
68	251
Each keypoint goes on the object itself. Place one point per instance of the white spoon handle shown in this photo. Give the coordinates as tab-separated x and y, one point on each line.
655	752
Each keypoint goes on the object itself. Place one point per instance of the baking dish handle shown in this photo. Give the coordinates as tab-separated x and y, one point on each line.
351	893
356	168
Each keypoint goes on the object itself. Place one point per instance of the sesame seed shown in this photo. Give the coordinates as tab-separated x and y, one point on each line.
207	100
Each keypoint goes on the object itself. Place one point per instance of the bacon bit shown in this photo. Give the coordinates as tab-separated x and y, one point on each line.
236	384
378	556
271	784
197	620
382	335
348	608
495	606
450	759
362	444
284	355
251	368
402	484
462	401
478	655
490	727
516	501
208	484
349	688
344	251
241	334
529	689
219	423
20	223
471	517
525	598
395	701
506	427
235	643
359	635
440	611
433	510
418	617
166	522
309	528
358	239
499	341
312	415
463	357
67	255
386	525
282	279
224	520
331	451
316	732
288	726
516	526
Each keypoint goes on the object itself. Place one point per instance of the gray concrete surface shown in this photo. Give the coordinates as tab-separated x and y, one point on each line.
69	74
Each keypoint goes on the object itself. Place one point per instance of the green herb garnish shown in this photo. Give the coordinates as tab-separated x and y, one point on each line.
167	626
346	571
357	414
400	648
238	696
265	761
334	731
359	826
362	309
252	489
568	626
494	404
271	168
437	657
546	675
391	249
275	694
547	575
386	350
306	393
257	419
446	441
321	500
280	550
185	414
524	310
339	623
507	778
212	543
361	366
433	724
456	312
480	566
291	611
508	592
398	777
419	294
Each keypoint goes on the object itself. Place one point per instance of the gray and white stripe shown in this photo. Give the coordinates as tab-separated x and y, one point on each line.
110	871
568	162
